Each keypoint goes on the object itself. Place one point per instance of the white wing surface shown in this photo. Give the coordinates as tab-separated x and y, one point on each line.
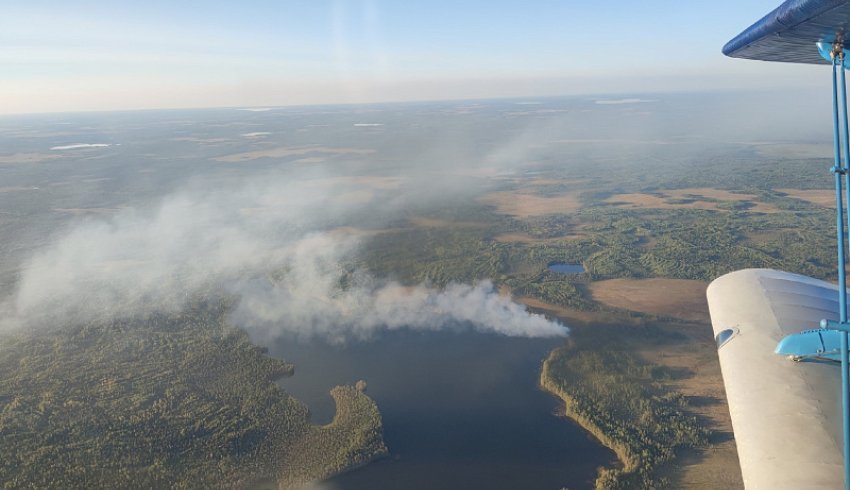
786	415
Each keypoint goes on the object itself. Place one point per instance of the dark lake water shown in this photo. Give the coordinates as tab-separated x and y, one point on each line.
563	268
460	411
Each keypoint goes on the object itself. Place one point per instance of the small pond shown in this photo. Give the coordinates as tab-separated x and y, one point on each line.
564	268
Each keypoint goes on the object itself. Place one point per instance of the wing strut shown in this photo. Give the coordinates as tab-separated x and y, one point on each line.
814	344
840	169
789	33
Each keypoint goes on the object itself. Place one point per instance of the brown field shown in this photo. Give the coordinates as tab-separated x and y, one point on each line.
287	151
761	238
519	204
799	150
700	198
569	315
425	222
83	211
539	181
820	197
542	181
190	139
597	141
717	465
362	196
353	197
351	231
310	160
530	240
653	201
677	298
28	157
711	194
369	181
483	172
115	266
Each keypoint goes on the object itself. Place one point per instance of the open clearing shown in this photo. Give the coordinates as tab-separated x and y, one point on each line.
530	240
717	465
793	150
694	198
545	181
561	312
289	151
28	157
425	222
521	205
368	181
84	211
205	141
820	197
677	298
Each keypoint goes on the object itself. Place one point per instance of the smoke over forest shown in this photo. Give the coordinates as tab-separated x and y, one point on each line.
283	246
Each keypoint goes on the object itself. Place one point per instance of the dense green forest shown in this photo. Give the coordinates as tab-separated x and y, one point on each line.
622	400
165	401
615	243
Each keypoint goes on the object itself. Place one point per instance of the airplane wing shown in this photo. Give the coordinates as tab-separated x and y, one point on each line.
786	415
790	32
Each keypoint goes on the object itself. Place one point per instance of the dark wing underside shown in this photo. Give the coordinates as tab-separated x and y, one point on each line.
790	32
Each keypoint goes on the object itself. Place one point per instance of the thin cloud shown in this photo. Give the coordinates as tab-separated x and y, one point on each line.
78	146
623	101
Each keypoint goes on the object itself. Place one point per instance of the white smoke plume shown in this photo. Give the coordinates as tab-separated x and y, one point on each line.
278	244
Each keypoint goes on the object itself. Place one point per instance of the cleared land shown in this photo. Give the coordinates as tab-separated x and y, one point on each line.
522	205
289	151
190	139
426	222
695	198
568	315
701	382
796	151
677	298
82	211
527	239
370	181
355	197
820	197
28	157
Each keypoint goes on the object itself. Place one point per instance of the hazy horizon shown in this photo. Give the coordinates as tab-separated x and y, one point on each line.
95	56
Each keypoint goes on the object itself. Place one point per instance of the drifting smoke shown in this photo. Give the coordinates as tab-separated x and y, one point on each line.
277	244
309	301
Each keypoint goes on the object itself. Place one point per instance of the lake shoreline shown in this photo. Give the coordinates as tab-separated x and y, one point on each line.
439	434
547	383
357	421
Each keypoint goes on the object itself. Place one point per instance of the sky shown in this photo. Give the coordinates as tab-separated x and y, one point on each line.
62	56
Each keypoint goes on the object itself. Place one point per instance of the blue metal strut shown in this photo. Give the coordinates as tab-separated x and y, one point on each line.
838	170
821	345
842	276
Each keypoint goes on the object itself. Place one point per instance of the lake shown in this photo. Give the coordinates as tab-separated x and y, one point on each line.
460	411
